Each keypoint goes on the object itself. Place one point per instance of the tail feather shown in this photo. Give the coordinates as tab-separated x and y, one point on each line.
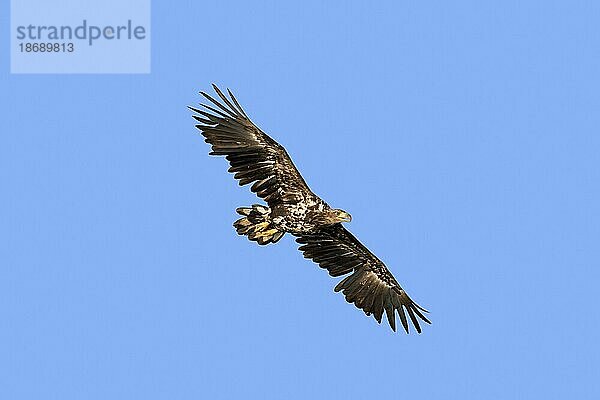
256	224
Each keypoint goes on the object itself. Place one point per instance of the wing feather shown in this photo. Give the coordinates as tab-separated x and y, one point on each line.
254	157
370	285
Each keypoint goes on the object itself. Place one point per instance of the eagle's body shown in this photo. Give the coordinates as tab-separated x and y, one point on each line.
301	217
293	208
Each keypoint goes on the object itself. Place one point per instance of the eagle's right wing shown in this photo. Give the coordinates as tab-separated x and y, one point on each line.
254	156
370	285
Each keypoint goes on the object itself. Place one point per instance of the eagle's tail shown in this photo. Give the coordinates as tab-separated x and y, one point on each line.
257	225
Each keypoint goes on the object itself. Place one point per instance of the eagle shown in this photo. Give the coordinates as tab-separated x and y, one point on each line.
291	207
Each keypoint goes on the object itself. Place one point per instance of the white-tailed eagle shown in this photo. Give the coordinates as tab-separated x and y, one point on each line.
291	207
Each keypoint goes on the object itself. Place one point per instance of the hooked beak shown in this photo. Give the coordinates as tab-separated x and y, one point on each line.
346	217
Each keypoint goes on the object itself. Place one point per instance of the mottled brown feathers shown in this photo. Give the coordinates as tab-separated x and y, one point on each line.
253	156
257	159
370	285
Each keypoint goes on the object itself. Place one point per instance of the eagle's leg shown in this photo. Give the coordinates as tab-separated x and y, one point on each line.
257	225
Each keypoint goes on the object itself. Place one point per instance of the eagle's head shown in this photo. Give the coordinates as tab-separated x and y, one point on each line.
337	215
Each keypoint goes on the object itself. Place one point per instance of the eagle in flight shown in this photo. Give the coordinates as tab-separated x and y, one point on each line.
293	208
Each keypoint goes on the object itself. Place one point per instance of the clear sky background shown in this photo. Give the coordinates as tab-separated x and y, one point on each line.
461	136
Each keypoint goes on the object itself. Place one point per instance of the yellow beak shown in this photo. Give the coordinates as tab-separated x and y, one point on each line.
346	217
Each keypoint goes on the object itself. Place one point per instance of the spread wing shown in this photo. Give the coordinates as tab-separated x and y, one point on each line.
370	286
254	156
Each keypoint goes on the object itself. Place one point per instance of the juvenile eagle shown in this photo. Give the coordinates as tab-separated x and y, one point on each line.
293	208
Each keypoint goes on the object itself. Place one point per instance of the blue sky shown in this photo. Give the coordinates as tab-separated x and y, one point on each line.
461	136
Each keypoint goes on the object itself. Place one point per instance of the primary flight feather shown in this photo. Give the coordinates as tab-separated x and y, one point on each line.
291	207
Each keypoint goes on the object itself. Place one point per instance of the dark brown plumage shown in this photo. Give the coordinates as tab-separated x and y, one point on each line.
293	208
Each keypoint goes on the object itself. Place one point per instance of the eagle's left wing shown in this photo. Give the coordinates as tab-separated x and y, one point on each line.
370	286
254	157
